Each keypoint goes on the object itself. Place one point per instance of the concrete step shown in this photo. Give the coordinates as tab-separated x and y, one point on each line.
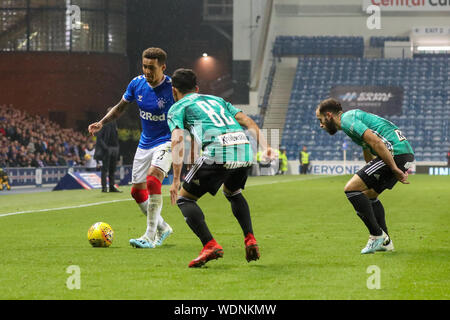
275	117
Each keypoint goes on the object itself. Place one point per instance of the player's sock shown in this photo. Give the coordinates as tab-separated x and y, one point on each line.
364	210
241	211
378	210
162	224
141	198
195	219
153	214
154	206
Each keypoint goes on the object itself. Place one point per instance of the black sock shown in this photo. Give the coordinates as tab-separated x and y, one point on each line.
378	211
241	211
363	208
195	219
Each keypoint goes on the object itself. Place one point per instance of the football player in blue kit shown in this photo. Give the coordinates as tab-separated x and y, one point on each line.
152	92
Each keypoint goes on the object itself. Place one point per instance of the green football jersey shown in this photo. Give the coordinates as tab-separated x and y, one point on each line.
355	122
211	120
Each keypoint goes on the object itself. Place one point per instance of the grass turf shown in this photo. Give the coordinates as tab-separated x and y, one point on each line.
309	235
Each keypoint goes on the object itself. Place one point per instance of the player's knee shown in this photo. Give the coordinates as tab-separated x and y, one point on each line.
153	185
140	195
371	194
185	201
190	210
156	172
231	195
348	187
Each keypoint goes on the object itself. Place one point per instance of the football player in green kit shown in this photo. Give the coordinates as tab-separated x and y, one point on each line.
217	126
388	155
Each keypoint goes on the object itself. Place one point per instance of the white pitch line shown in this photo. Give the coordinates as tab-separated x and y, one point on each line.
121	200
63	208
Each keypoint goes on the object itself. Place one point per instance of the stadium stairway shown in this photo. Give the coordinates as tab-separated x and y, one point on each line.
279	99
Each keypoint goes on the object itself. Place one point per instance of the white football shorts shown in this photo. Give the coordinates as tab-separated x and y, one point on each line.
159	156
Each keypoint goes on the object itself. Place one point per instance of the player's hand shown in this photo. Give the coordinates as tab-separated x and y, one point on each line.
174	188
95	127
401	176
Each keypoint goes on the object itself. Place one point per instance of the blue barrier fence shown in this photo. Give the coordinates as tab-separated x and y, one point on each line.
52	175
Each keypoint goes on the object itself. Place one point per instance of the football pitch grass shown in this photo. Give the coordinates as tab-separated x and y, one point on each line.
309	235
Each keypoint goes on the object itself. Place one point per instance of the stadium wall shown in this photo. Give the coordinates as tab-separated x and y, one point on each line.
69	88
332	18
347	18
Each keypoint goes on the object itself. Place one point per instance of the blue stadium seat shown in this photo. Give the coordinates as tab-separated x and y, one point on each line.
425	114
318	46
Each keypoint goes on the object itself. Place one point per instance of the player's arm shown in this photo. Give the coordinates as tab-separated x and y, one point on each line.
380	148
112	114
192	156
177	162
254	130
368	156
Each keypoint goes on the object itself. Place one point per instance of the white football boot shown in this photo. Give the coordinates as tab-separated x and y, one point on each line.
142	242
388	245
374	243
162	235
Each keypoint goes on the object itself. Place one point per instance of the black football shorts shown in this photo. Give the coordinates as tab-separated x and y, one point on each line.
379	177
208	177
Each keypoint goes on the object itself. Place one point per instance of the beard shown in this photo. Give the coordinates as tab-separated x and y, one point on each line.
330	126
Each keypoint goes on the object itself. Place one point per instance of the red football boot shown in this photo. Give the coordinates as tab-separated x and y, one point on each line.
251	248
212	250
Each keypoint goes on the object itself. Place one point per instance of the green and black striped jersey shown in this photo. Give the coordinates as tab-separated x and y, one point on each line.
355	122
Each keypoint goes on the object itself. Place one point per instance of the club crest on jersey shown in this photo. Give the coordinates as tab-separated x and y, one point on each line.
161	103
152	117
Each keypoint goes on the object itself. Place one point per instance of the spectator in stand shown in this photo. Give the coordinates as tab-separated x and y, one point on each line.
13	160
28	140
61	160
51	160
37	161
3	161
31	148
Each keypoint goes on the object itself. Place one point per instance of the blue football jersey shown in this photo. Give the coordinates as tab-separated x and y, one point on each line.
153	103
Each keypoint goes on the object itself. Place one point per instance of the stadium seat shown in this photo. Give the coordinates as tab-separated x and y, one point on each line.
425	114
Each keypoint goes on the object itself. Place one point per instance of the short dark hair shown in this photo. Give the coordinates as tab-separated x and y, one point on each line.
329	105
184	80
155	53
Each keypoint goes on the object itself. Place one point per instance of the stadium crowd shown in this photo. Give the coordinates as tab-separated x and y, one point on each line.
34	141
